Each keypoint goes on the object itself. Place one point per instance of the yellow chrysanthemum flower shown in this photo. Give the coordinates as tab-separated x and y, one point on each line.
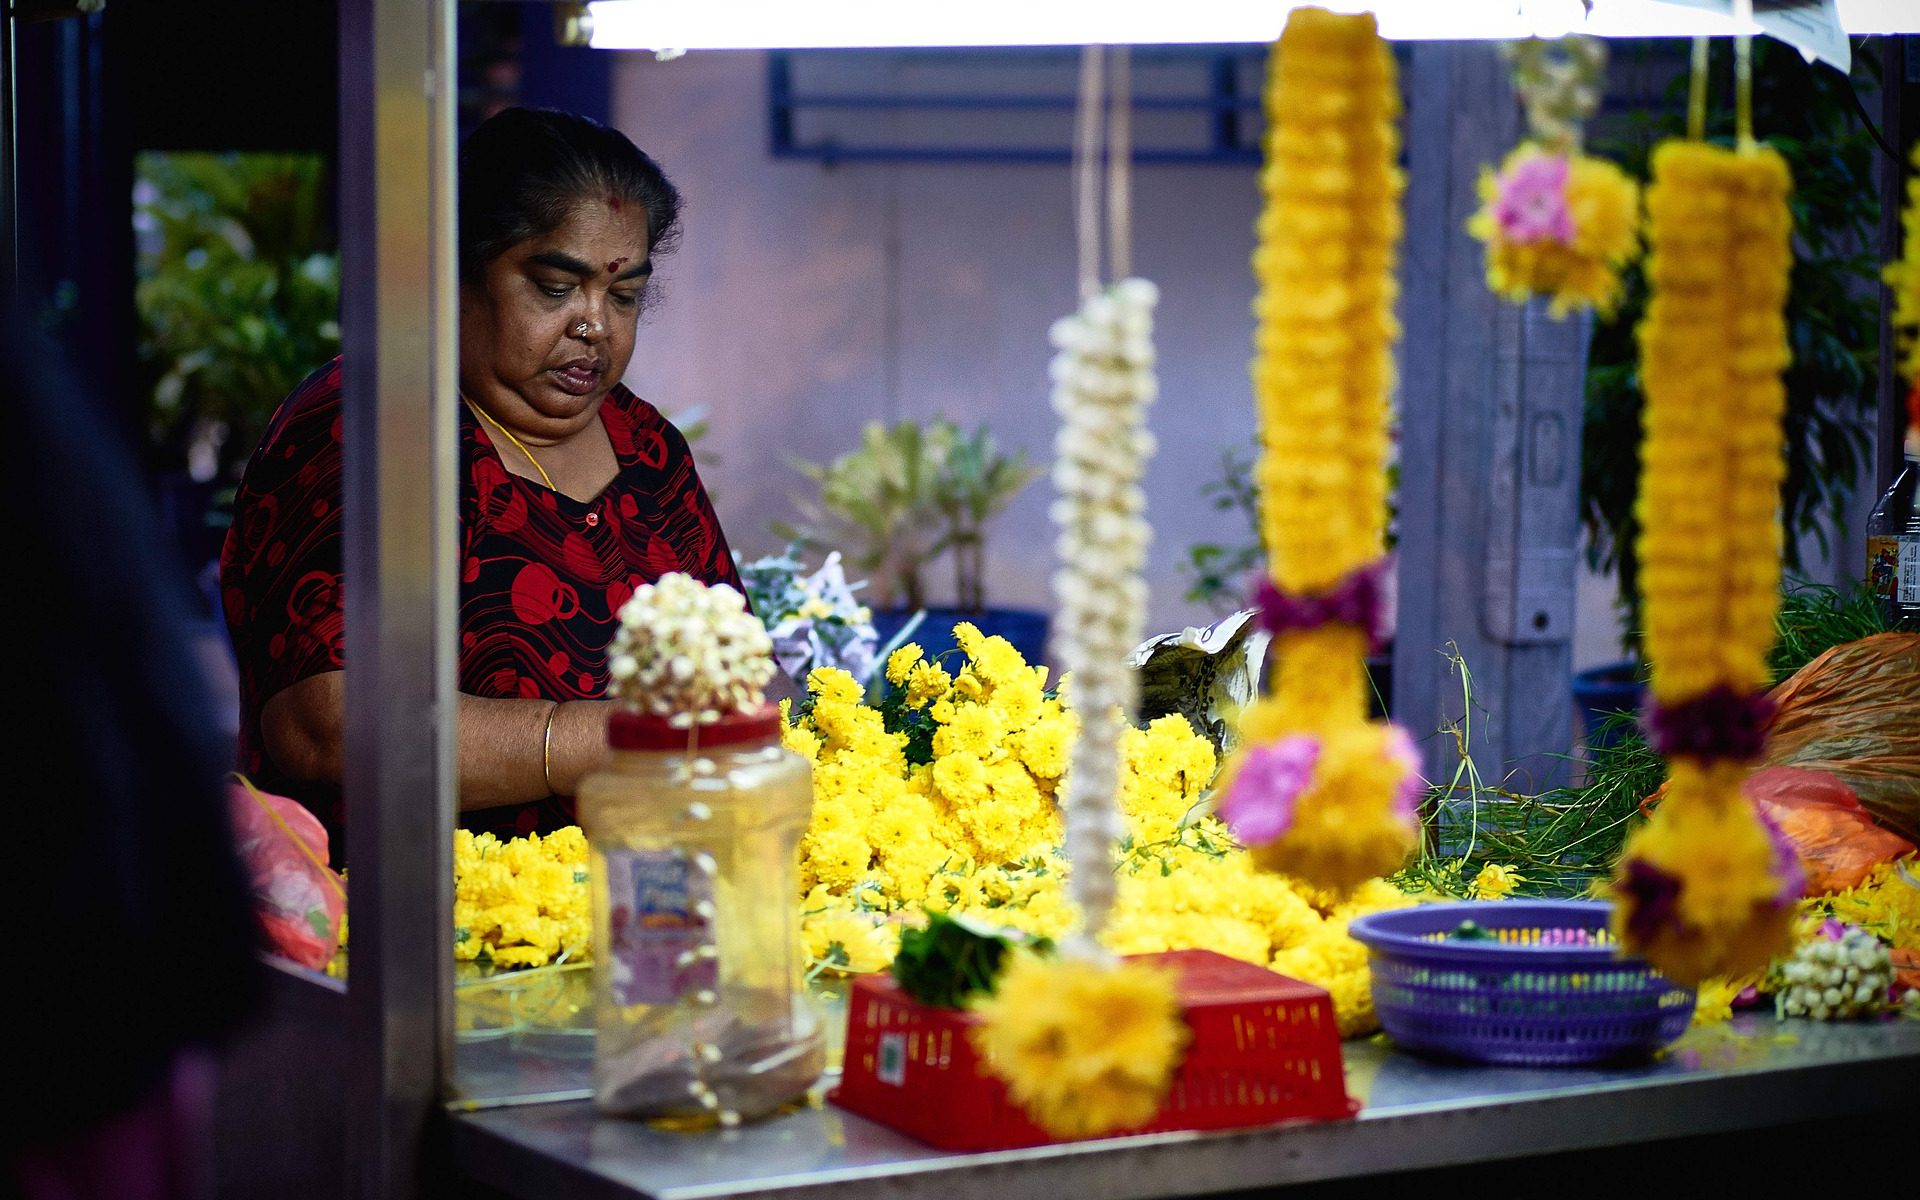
523	902
847	942
1494	882
901	662
1085	1048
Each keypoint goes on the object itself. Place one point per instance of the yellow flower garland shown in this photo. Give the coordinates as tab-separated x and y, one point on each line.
1703	887
1903	276
1322	371
1086	1048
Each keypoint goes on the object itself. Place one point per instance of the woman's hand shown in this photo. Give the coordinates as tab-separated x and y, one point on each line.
502	752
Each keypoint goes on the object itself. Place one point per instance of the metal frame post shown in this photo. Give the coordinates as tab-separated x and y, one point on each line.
399	313
1490	403
9	160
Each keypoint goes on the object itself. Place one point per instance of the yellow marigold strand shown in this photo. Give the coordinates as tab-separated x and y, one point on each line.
1322	371
1903	276
1703	887
1323	349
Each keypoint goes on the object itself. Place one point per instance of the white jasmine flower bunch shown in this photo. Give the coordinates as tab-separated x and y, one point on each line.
689	652
1103	382
1842	972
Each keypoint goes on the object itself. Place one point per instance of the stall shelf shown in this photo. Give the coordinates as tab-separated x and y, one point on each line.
384	1060
1753	1075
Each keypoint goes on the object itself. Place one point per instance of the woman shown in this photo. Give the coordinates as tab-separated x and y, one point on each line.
573	491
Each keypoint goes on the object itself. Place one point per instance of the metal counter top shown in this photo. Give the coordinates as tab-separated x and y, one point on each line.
1750	1075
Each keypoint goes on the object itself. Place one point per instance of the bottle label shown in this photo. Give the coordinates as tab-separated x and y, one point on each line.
657	927
1906	585
1883	565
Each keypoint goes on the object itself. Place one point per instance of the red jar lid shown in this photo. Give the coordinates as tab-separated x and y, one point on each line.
644	731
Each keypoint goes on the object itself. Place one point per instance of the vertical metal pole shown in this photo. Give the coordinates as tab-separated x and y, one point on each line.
1490	401
9	161
399	309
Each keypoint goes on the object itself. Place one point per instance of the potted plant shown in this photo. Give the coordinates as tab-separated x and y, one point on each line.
1810	116
907	495
238	296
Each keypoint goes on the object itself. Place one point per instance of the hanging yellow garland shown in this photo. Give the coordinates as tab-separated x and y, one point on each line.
1904	278
1317	791
1705	888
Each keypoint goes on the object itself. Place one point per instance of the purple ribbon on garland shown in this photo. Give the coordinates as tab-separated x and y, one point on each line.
1716	724
1357	600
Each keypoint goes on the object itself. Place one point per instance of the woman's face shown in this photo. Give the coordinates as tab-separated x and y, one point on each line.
523	354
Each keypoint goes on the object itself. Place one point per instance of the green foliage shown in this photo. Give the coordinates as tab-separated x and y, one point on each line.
896	716
977	483
1217	571
1567	839
238	293
1561	841
1808	113
952	959
907	495
1814	618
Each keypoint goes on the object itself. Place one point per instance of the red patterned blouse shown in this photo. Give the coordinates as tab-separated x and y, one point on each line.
542	575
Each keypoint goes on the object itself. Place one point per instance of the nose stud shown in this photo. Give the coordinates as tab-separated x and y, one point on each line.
580	330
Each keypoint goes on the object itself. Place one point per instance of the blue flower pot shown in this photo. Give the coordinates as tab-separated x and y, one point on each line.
1600	692
1025	628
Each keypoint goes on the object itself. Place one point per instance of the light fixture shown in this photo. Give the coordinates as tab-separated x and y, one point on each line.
831	24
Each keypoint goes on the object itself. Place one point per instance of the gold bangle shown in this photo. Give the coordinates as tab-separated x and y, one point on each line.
546	748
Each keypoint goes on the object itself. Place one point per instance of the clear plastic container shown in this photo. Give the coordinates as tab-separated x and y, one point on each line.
1893	549
702	1015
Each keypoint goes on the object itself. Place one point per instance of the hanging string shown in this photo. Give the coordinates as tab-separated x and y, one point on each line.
1743	92
1743	78
1086	168
1697	91
1120	166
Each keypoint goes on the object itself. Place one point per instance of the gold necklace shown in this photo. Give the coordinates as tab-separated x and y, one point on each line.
518	444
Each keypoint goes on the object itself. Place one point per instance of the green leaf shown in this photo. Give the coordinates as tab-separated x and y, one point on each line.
954	959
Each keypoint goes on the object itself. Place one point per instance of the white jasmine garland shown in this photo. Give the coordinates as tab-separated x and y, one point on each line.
689	652
1103	382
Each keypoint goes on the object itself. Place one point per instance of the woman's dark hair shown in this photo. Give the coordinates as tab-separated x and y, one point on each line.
524	170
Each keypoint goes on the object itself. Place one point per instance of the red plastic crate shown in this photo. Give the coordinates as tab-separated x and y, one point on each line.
1265	1049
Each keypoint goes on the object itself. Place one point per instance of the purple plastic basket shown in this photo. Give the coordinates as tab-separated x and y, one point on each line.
1551	989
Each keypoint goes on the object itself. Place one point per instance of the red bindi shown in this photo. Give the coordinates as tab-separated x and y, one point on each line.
613	268
613	202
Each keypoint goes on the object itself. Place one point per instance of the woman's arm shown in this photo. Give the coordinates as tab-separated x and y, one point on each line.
500	752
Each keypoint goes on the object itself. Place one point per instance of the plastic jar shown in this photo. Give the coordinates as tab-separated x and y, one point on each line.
701	1012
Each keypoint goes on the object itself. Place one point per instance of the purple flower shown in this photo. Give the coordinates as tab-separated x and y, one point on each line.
1259	802
1530	200
1406	794
1653	900
1833	930
1786	862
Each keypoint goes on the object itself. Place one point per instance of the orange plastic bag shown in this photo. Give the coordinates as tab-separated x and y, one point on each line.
1854	713
1837	840
298	900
